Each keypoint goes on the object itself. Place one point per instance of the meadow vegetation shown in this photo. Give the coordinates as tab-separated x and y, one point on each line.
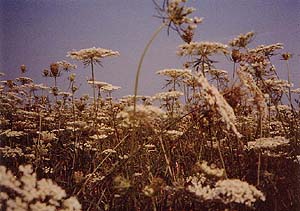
213	139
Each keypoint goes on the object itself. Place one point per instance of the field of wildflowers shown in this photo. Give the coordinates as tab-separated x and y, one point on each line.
214	139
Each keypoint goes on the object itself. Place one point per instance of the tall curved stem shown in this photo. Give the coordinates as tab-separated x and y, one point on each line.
141	62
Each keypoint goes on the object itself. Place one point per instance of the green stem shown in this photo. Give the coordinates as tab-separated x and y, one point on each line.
141	62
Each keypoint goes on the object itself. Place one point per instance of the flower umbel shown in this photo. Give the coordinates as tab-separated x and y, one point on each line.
93	54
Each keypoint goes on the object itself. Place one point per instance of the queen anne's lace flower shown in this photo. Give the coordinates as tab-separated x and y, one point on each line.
278	85
267	49
242	40
268	143
174	134
98	84
88	54
33	194
168	95
213	97
24	80
210	170
12	133
237	191
174	73
110	88
202	49
11	152
144	114
66	65
226	191
296	91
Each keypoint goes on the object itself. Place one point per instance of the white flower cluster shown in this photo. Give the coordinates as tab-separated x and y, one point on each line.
33	194
217	102
108	151
211	170
242	40
268	143
267	49
168	95
77	125
296	91
277	84
64	94
129	99
202	49
109	88
218	72
47	136
24	80
104	86
12	133
98	84
237	191
11	152
66	65
144	113
174	134
91	53
226	191
174	73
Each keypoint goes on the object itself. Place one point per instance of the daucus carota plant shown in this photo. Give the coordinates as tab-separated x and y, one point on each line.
206	141
91	56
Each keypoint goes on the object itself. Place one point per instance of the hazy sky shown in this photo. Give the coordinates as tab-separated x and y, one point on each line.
39	32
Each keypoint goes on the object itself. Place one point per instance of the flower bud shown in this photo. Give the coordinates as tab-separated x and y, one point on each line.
45	73
54	69
286	56
23	68
72	77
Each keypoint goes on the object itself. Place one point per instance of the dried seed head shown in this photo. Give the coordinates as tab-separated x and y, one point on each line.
286	56
74	89
72	77
54	91
187	35
45	73
10	83
23	68
78	176
236	55
54	69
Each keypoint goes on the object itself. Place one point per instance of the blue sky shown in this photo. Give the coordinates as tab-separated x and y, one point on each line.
39	32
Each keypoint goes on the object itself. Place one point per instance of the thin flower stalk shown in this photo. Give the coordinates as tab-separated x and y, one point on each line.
137	76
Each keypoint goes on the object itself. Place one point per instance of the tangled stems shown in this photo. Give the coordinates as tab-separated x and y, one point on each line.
141	62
